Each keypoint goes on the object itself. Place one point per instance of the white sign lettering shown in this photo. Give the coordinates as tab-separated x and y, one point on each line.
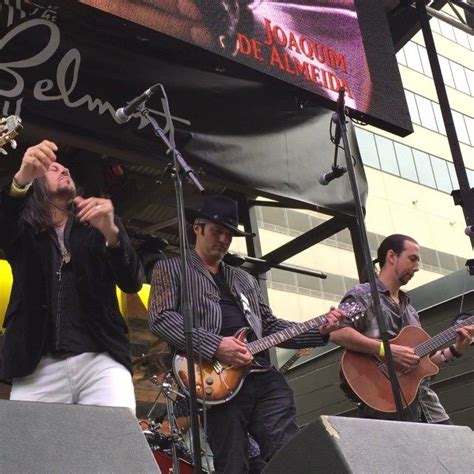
67	76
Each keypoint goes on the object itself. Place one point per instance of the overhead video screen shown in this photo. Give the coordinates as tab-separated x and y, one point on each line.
319	46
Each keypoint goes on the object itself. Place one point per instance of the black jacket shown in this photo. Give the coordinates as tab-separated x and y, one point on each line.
97	269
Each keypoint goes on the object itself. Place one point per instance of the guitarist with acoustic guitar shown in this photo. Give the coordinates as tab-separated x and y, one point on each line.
225	300
415	354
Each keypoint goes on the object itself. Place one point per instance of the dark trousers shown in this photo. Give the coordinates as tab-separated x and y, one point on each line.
265	408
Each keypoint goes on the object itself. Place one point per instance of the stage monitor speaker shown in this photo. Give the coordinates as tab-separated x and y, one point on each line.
335	444
56	438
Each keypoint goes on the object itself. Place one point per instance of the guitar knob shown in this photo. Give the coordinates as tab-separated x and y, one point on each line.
198	388
209	380
208	390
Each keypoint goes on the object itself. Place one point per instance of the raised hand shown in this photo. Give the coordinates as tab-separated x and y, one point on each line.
36	162
233	352
99	213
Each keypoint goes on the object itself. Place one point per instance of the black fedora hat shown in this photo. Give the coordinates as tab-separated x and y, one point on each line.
221	210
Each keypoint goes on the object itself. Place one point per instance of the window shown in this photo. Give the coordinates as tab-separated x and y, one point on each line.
446	71
401	58
413	109
333	284
413	57
434	24
405	162
470	128
309	282
298	221
275	216
453	175
447	30
470	80
425	61
439	118
460	79
283	276
441	173
453	34
423	167
388	160
409	163
427	113
462	38
470	176
460	127
427	116
367	148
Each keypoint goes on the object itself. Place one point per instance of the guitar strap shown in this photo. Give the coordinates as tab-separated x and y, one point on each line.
244	303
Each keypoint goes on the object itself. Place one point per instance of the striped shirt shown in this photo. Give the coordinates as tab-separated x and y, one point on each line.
166	320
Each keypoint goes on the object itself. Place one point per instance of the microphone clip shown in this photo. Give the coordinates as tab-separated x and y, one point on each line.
338	171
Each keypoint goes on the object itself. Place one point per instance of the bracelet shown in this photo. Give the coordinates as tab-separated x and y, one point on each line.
455	353
381	350
20	188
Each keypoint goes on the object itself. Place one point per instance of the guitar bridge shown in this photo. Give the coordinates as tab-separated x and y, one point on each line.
218	366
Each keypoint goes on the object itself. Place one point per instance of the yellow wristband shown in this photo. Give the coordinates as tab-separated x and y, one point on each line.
18	191
18	188
381	350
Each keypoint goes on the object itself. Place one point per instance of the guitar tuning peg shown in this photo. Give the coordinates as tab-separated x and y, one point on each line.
13	144
3	152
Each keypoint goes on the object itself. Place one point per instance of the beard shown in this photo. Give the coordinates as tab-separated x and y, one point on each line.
404	278
65	192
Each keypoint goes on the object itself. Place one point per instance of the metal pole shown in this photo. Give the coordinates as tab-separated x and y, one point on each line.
181	168
341	122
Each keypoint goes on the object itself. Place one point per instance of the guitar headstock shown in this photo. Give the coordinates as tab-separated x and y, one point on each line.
354	311
306	351
10	127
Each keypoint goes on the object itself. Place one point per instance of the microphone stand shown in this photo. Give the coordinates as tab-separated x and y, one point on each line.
341	123
180	167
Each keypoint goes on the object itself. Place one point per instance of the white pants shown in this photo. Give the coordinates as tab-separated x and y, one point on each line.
90	378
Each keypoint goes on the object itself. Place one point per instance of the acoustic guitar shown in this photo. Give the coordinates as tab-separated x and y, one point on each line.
217	383
10	127
366	376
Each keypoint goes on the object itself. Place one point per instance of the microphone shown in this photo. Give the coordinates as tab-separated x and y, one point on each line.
337	172
124	114
469	230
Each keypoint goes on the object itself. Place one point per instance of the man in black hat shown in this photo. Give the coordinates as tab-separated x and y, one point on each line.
225	299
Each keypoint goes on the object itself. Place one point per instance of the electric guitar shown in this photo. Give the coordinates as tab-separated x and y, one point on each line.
10	127
298	354
217	383
366	376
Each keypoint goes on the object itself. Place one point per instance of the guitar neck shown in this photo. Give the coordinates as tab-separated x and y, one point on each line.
289	333
284	368
441	339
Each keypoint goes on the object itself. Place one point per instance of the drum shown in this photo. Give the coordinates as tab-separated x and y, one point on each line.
183	423
165	463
